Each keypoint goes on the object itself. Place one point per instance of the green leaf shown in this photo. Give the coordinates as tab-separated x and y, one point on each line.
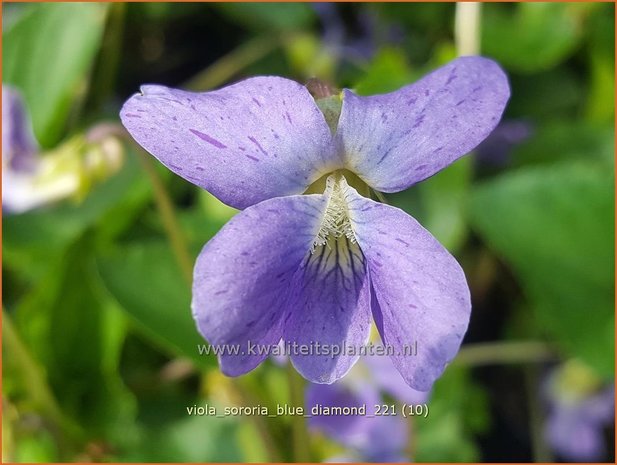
388	71
533	36
147	283
457	411
541	96
32	241
47	55
440	203
308	57
601	101
194	439
444	197
73	331
554	225
269	16
562	140
601	55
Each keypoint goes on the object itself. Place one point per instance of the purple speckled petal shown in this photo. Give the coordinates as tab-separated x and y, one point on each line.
260	138
330	306
420	291
242	276
398	139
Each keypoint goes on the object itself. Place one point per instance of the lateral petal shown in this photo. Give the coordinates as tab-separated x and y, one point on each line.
243	276
420	291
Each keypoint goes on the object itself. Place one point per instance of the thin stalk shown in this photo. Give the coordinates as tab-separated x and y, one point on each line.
106	69
381	197
540	450
183	258
168	216
300	436
411	439
35	383
248	398
229	65
500	353
467	22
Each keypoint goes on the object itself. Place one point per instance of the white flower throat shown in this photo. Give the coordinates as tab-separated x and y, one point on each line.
336	222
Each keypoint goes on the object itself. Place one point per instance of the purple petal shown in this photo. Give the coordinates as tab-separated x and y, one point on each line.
600	407
377	438
420	291
243	275
387	439
260	138
574	437
395	140
330	306
350	430
496	148
389	380
19	147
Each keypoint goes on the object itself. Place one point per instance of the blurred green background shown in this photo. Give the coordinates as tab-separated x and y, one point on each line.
99	347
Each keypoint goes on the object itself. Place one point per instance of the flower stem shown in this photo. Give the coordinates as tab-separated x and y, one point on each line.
300	434
35	383
380	197
467	28
168	216
498	353
245	395
106	69
183	258
226	67
540	450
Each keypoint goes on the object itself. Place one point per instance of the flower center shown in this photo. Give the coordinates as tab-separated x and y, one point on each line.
335	223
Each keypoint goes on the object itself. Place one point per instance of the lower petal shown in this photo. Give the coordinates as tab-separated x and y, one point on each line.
420	291
243	275
329	311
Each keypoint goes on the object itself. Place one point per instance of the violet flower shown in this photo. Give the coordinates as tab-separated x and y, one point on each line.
31	179
580	408
361	46
495	149
370	437
312	268
19	153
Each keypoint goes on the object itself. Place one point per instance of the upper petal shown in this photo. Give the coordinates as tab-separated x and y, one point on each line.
243	275
260	138
395	140
420	291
